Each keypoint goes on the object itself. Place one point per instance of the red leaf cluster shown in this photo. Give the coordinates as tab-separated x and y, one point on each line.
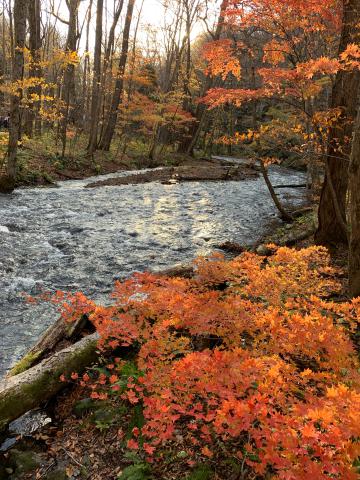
249	357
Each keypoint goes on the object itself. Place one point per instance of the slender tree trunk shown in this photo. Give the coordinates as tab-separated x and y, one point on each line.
11	31
344	95
107	56
20	6
69	74
119	83
95	100
283	213
35	70
3	69
86	72
354	217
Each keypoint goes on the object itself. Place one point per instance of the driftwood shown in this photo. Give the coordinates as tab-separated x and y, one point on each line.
48	343
27	390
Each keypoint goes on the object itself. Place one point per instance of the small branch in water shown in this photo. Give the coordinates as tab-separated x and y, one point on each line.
283	213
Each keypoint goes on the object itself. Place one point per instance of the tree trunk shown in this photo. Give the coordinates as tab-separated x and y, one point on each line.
95	100
35	70
20	6
107	61
29	389
354	217
69	74
332	207
119	83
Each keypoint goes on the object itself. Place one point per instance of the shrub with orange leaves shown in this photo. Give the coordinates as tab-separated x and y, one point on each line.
251	358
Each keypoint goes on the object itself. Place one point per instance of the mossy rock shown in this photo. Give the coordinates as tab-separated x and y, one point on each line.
24	461
7	184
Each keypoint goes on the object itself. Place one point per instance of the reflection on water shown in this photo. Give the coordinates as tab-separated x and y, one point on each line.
76	238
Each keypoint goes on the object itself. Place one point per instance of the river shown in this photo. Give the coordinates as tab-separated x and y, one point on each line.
74	238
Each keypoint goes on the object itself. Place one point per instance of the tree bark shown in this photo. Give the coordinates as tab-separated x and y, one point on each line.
20	6
109	130
69	74
354	217
344	95
86	71
95	99
35	70
107	61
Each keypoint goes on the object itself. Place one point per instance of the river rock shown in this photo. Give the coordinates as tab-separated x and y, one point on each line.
263	250
231	247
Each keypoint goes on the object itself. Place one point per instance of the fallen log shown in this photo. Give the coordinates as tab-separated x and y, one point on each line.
48	343
32	388
292	185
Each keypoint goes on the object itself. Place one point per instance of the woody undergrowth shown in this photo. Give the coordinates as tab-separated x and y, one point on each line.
250	363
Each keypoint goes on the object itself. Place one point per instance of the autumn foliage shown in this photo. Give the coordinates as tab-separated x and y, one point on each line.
249	359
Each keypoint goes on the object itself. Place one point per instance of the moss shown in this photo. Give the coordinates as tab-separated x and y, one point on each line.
139	471
25	363
201	472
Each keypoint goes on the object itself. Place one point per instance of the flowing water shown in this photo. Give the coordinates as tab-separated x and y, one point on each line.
74	238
